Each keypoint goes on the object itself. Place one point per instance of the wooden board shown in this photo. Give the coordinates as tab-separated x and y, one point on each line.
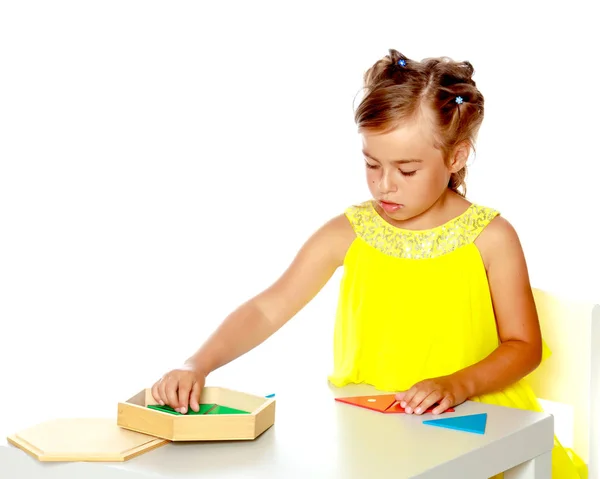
86	439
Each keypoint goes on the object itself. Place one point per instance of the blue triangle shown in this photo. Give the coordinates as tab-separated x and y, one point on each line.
475	423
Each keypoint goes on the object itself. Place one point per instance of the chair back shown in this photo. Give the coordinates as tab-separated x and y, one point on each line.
571	375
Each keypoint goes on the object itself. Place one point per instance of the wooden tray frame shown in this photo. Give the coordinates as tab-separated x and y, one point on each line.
134	415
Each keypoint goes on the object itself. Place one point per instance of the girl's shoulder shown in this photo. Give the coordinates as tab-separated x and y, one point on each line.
498	239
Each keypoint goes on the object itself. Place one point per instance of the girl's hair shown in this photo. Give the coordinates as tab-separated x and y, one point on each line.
397	88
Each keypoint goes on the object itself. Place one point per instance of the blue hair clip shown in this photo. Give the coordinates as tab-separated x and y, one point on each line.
458	99
402	62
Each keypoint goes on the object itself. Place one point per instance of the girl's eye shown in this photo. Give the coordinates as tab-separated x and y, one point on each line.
408	173
371	166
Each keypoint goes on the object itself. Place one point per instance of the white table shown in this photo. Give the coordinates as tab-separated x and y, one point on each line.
317	437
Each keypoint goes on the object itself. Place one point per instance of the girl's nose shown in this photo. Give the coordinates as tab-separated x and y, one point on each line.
387	185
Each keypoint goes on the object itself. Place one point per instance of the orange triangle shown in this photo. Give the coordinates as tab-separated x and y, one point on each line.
397	409
385	403
377	402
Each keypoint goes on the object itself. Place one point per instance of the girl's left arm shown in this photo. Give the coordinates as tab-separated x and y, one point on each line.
520	351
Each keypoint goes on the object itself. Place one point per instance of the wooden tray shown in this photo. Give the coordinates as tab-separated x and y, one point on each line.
86	439
250	417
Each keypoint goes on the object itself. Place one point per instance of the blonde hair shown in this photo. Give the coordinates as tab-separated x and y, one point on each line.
397	88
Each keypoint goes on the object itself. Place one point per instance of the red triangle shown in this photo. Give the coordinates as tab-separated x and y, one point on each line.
377	402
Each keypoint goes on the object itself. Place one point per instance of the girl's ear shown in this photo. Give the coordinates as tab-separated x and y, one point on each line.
460	156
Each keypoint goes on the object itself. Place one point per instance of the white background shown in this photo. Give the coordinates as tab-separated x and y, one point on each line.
161	162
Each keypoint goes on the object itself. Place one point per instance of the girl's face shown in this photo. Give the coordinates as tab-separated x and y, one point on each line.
406	174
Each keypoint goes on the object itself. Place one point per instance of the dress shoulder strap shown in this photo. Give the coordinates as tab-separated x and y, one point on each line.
476	219
361	216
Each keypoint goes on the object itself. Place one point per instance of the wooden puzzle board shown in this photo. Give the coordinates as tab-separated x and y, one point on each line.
87	439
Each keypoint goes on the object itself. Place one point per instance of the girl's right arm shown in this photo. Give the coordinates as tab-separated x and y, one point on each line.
257	319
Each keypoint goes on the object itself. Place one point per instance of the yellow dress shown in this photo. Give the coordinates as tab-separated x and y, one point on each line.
415	305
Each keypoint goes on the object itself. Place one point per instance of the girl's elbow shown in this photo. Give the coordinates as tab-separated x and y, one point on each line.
536	351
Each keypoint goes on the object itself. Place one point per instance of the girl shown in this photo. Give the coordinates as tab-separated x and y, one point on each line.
435	300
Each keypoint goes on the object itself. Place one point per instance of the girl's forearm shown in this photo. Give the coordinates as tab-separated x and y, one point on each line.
509	363
243	330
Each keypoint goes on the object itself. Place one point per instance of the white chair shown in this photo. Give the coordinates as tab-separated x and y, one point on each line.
571	375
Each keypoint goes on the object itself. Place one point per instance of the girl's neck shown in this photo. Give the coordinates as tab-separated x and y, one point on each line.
447	207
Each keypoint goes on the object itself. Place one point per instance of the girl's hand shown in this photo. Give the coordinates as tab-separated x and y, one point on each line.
445	391
180	389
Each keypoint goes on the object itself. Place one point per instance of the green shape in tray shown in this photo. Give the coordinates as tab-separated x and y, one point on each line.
226	410
207	409
204	408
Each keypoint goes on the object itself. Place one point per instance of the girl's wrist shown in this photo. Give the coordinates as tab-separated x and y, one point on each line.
197	366
464	384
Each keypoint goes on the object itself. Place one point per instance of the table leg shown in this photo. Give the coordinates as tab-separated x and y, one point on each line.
537	468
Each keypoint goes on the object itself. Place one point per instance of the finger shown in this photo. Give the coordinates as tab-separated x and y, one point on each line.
407	396
428	401
156	394
417	400
445	403
185	386
195	396
171	386
162	390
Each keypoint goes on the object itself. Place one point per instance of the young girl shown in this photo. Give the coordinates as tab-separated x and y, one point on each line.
435	300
